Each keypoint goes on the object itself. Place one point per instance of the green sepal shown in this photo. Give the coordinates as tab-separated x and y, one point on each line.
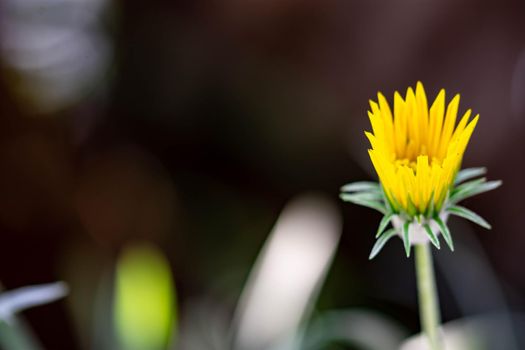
433	238
473	190
361	186
392	204
429	212
465	187
440	201
469	215
367	196
445	232
380	242
406	238
363	200
469	173
412	210
469	184
384	223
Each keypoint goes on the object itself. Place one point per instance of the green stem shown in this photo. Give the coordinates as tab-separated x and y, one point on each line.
427	293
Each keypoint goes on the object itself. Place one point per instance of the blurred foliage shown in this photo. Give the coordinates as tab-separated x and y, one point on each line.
145	310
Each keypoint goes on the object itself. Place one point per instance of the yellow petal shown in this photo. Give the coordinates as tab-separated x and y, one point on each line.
422	108
436	119
448	127
413	119
386	113
400	125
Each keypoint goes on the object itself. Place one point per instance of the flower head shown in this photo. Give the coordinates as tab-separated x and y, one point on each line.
417	152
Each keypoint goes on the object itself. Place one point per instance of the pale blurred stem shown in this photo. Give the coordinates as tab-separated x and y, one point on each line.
16	335
427	294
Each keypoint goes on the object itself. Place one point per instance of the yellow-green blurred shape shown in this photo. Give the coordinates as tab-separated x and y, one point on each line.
145	311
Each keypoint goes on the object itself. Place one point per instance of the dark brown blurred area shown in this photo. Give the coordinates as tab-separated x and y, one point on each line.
202	118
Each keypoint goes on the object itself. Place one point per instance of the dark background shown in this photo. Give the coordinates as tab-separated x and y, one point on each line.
202	119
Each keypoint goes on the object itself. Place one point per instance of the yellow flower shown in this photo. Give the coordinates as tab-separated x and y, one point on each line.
417	150
417	153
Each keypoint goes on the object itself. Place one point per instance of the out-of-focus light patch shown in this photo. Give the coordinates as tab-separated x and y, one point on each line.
288	273
145	313
54	51
14	301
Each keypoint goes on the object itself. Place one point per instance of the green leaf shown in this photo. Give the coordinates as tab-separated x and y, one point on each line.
406	238
362	200
473	190
445	232
469	215
361	186
384	223
470	173
381	241
433	238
